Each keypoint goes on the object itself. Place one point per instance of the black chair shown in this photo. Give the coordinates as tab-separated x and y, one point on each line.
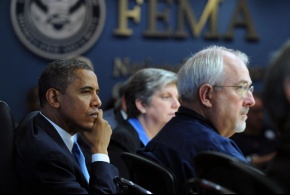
126	186
149	174
9	183
233	174
204	186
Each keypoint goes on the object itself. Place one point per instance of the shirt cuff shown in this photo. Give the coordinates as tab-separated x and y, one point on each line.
100	157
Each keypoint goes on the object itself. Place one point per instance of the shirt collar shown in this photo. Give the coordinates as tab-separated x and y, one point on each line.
140	130
65	136
191	113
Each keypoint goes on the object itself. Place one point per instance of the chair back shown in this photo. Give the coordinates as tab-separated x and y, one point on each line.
204	186
126	186
149	174
8	179
233	174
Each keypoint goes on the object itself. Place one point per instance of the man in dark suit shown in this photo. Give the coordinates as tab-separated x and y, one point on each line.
68	93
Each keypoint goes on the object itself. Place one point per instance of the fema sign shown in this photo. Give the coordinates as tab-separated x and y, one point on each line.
58	28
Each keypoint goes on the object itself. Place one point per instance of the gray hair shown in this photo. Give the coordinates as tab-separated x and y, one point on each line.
143	84
206	66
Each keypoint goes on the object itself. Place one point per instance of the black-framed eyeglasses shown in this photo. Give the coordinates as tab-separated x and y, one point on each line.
243	89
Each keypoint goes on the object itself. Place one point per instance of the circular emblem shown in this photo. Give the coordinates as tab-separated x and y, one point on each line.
57	29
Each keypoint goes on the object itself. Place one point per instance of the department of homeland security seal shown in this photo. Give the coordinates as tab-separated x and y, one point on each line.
56	29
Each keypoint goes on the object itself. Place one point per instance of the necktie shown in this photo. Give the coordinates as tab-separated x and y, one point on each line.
79	156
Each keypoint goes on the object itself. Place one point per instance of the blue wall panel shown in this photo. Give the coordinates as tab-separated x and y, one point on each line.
20	68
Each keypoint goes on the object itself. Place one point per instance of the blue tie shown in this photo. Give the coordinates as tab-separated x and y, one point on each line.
79	156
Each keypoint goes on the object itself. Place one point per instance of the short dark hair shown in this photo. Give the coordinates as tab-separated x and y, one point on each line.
58	75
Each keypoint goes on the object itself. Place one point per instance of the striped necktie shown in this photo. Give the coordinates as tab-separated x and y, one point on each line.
79	156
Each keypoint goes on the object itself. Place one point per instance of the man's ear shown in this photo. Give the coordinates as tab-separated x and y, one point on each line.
287	87
52	96
205	94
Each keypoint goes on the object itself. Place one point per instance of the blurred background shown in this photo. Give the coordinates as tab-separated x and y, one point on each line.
122	36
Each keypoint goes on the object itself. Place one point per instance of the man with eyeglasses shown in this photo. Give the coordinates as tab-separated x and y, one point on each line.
215	92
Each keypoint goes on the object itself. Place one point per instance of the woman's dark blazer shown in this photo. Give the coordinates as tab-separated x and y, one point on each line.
124	139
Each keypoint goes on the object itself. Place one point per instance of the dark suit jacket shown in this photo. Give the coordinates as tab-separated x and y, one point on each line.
124	139
45	164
